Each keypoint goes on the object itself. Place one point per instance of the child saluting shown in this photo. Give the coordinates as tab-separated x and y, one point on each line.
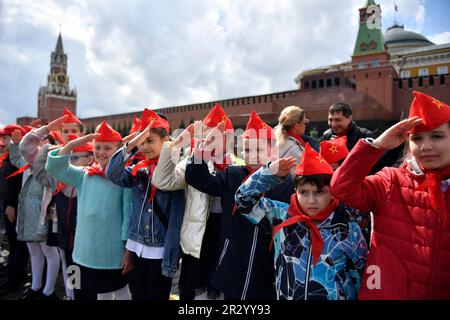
319	251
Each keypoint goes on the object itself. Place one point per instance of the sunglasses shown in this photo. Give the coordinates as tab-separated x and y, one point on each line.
306	121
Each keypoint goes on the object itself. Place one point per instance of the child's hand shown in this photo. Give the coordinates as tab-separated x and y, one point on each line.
11	214
82	140
130	137
397	134
16	136
77	142
211	137
283	166
140	138
35	123
185	137
57	124
127	262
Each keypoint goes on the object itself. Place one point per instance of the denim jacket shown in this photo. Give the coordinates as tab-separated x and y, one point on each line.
145	226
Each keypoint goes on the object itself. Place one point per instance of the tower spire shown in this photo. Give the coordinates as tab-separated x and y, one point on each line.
370	37
59	49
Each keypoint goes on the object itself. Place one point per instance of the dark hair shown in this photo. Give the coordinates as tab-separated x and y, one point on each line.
341	107
318	180
161	132
162	115
50	139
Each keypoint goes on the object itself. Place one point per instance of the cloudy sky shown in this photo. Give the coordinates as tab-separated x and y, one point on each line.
124	55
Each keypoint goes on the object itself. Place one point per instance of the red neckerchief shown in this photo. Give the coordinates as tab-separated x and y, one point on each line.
95	169
298	216
225	163
59	187
147	163
297	137
21	169
245	179
137	157
3	157
432	184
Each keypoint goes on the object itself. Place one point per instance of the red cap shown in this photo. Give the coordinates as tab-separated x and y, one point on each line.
28	128
312	163
217	115
433	112
158	122
57	136
259	127
107	134
71	117
334	150
8	129
136	125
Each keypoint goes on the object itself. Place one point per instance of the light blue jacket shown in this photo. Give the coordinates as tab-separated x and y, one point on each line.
35	179
103	214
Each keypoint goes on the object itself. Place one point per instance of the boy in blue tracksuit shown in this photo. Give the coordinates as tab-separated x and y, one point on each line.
319	251
153	243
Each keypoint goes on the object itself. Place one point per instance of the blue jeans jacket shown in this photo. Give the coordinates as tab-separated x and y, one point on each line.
145	226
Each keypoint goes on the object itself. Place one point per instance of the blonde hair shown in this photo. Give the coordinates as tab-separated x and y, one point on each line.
289	116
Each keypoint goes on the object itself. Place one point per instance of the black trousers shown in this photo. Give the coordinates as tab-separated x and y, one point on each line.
196	273
147	281
18	252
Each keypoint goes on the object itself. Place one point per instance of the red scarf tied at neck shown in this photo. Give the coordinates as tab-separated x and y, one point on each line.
3	158
432	184
147	163
297	137
298	216
95	169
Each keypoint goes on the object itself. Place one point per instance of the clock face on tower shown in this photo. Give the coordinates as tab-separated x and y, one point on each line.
61	79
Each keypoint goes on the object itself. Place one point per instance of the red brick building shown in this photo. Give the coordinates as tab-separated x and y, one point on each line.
377	82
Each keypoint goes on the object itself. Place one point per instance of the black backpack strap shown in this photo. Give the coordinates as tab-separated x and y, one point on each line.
157	209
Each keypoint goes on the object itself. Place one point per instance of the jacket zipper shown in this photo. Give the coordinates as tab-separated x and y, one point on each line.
250	263
435	259
225	247
308	267
142	207
153	233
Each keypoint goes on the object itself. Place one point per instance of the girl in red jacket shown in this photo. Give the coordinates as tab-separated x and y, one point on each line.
410	249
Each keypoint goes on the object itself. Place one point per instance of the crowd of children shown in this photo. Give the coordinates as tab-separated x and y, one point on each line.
271	214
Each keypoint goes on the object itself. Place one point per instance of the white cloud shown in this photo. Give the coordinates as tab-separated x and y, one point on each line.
124	55
411	13
440	38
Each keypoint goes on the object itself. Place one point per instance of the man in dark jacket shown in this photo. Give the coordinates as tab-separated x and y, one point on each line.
15	271
340	120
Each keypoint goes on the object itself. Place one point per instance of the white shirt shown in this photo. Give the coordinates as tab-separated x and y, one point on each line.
144	251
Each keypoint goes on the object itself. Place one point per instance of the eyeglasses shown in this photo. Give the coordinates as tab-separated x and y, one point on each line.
75	158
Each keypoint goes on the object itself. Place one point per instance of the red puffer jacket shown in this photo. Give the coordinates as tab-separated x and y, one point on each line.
410	249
